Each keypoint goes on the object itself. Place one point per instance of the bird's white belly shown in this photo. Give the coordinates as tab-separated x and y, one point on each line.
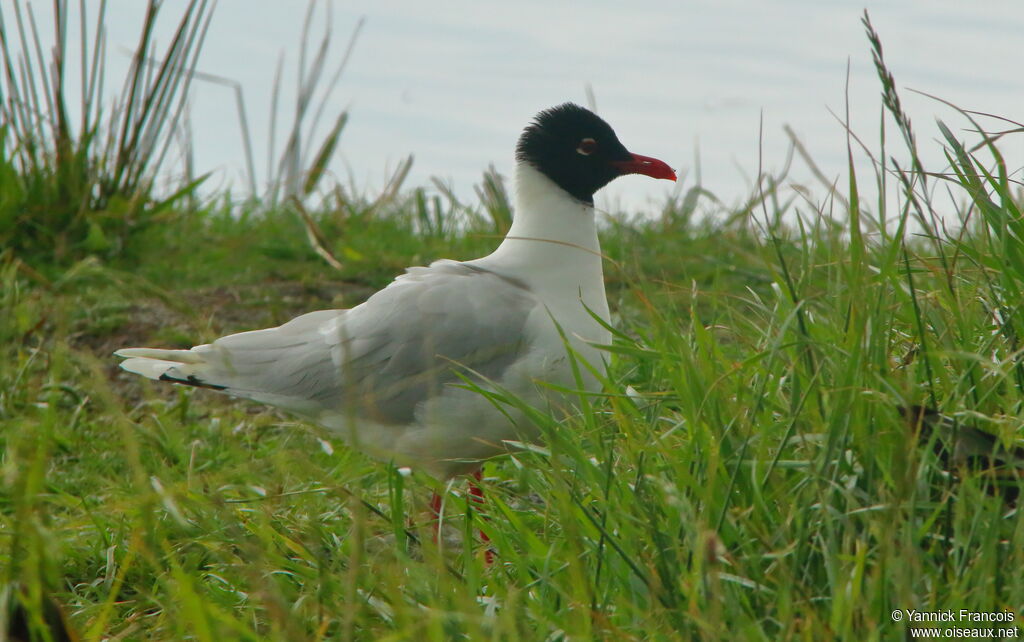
457	428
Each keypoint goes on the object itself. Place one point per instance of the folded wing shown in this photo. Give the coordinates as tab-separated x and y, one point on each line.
379	360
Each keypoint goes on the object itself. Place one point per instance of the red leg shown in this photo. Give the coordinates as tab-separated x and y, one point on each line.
477	494
435	508
476	491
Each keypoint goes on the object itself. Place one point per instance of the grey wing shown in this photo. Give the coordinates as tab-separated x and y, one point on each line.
418	335
378	360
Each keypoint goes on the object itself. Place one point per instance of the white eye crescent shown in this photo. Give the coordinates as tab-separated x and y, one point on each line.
587	147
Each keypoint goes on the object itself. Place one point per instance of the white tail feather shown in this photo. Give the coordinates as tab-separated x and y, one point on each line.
289	366
150	368
174	356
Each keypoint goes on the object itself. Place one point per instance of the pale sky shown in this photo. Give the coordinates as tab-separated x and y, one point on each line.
454	82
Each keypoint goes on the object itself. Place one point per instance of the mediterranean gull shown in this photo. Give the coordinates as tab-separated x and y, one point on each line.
390	375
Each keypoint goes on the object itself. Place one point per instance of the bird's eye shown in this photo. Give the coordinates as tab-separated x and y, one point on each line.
587	147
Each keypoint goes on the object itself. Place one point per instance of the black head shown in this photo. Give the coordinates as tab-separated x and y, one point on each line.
580	152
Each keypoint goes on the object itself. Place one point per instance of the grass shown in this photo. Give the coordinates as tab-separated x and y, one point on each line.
81	184
745	474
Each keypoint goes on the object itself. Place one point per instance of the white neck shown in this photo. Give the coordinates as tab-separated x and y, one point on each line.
550	228
552	248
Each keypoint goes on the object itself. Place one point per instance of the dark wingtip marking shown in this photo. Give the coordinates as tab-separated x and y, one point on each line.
191	381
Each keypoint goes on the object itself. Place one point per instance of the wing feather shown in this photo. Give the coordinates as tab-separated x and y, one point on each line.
379	360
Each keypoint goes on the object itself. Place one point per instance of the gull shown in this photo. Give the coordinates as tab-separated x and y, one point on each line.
394	376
